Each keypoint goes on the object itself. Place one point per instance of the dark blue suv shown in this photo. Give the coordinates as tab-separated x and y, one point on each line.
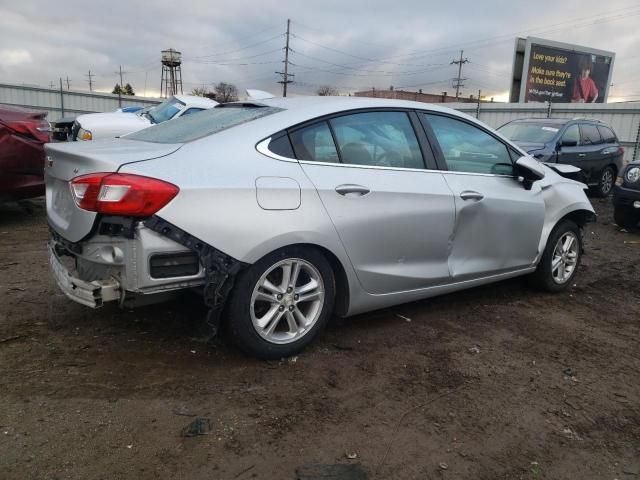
587	144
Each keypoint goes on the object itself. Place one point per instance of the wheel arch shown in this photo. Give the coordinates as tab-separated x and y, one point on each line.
343	297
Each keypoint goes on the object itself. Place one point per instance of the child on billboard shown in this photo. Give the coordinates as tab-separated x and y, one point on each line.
584	88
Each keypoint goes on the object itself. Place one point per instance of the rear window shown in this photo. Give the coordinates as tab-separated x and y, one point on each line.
202	124
607	134
532	132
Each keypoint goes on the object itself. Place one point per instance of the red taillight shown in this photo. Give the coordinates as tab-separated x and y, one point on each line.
121	194
36	129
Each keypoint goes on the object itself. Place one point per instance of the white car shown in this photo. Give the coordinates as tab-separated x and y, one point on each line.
96	126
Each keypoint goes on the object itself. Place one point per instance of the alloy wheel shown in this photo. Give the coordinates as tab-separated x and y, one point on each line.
565	257
606	182
287	301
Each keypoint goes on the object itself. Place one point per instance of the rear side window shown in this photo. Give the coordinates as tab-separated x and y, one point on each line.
590	135
281	146
379	139
467	148
192	127
607	134
315	143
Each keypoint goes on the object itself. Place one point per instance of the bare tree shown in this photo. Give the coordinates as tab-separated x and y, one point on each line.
326	91
199	91
203	92
226	92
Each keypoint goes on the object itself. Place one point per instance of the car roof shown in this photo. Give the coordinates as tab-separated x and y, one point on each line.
304	108
195	101
558	121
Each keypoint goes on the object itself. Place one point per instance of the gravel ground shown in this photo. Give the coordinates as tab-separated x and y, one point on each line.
494	382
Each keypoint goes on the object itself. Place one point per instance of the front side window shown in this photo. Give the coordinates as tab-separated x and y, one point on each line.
315	143
192	127
467	148
380	139
590	135
571	135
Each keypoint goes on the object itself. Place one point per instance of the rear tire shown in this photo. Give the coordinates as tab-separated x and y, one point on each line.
271	317
560	259
626	217
606	182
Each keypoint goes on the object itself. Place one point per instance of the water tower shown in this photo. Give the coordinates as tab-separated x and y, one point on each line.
171	83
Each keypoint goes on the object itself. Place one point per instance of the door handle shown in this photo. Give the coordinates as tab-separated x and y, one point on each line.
352	190
582	154
471	195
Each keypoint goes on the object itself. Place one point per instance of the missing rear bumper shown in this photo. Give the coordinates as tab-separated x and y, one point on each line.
92	294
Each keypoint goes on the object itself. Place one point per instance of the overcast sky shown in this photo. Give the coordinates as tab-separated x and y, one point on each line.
350	44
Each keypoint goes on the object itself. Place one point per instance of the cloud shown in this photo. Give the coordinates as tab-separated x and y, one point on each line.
352	45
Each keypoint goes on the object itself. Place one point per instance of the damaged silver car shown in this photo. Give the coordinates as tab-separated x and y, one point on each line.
283	211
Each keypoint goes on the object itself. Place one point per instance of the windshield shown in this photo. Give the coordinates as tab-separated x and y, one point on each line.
202	124
166	110
532	132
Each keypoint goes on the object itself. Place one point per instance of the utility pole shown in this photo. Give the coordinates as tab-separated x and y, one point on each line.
285	75
68	87
478	105
91	75
121	86
458	81
61	99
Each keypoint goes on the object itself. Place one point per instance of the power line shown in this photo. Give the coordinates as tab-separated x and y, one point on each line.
239	49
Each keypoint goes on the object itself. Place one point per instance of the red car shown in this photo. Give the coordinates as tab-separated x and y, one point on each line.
23	134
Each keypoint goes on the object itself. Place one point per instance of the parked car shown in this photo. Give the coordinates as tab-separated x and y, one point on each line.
94	126
626	196
285	210
590	145
23	134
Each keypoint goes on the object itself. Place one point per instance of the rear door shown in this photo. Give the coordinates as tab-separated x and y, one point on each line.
592	160
394	217
498	222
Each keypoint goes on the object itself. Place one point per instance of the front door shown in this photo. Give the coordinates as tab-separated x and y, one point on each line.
392	215
498	222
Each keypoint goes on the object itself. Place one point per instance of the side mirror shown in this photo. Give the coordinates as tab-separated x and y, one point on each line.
530	170
568	143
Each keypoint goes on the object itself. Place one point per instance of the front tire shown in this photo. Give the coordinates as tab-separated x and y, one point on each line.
561	258
281	303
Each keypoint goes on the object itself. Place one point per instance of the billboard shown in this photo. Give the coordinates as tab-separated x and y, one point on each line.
547	71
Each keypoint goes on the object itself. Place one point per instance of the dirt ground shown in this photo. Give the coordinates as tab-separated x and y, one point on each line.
498	382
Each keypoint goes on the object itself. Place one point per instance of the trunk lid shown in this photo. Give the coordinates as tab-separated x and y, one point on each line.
66	161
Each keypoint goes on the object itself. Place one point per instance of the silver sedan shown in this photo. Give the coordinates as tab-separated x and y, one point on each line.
283	211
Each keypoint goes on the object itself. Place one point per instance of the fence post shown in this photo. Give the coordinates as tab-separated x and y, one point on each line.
636	148
61	99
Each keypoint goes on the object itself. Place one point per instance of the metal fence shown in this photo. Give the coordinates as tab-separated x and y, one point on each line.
60	102
624	118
